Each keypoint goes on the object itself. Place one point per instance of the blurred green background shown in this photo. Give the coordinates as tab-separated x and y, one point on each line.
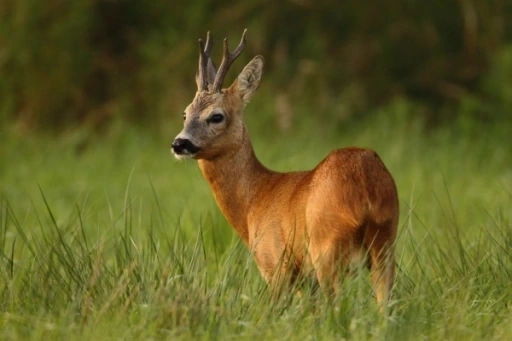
67	64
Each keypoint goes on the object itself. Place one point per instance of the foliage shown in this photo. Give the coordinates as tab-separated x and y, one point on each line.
92	62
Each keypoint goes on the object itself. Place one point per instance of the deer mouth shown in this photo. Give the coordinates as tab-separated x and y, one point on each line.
184	149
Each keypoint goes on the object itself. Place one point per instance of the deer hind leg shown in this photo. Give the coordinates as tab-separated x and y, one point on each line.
324	264
332	261
379	243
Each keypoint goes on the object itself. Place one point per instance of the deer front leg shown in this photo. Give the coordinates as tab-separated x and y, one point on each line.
277	268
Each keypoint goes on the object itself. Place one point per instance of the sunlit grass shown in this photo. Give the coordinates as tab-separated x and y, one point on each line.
110	238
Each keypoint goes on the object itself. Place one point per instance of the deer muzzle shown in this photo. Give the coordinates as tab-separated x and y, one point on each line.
184	147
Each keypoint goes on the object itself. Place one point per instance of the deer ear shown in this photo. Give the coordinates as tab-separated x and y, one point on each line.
249	79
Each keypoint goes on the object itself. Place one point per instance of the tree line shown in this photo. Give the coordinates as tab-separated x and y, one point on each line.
91	62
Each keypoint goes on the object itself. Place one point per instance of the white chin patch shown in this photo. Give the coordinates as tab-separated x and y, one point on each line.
183	156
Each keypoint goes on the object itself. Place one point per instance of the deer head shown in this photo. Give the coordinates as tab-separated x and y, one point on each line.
213	121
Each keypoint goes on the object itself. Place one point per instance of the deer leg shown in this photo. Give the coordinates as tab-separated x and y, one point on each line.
325	261
338	261
278	271
382	262
383	274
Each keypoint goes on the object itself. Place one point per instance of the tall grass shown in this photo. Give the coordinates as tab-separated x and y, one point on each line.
116	240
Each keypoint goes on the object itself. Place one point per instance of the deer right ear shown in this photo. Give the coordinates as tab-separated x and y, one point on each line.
249	79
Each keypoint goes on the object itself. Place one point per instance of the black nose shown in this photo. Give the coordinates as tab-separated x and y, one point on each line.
184	146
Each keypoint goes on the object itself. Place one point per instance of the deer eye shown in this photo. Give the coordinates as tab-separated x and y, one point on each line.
184	116
216	118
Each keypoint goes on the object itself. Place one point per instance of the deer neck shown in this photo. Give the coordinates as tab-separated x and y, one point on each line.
235	179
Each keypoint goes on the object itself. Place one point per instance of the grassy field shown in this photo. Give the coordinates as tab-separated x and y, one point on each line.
111	238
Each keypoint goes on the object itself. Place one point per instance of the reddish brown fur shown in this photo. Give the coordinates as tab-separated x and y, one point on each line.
298	222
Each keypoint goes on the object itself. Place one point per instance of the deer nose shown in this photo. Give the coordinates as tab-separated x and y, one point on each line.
184	146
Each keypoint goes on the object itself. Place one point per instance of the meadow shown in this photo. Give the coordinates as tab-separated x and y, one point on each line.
109	237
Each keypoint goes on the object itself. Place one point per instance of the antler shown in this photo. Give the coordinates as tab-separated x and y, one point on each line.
204	57
227	59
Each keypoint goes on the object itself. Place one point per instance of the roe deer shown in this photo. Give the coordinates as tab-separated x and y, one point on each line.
293	223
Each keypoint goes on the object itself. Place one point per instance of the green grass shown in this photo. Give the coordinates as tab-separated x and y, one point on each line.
111	238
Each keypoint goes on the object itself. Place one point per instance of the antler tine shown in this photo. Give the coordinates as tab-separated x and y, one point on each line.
209	44
204	57
227	59
203	61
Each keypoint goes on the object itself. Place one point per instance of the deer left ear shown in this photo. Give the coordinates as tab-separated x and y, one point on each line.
249	79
